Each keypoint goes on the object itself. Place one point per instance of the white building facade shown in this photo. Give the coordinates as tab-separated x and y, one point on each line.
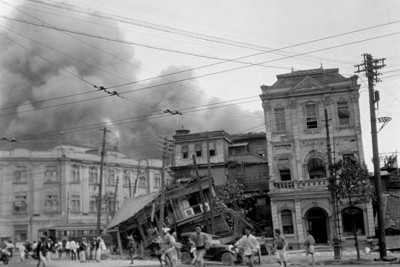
294	108
58	188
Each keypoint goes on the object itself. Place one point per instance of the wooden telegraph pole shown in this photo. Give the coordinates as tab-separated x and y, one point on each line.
371	66
336	241
99	199
210	186
167	147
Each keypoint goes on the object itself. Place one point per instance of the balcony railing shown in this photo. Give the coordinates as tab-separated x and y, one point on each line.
301	184
323	182
284	185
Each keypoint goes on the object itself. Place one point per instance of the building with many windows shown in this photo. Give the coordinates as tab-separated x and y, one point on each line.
58	189
235	158
294	108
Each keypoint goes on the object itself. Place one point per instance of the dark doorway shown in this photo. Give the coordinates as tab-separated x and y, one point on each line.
317	223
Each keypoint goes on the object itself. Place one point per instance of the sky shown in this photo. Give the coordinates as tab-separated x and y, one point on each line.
206	59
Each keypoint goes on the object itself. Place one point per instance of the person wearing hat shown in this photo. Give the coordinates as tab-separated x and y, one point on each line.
131	247
200	241
168	247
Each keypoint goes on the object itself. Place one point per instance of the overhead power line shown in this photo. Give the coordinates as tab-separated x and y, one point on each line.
141	118
198	76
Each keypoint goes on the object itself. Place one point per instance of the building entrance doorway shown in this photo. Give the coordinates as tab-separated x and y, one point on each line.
317	223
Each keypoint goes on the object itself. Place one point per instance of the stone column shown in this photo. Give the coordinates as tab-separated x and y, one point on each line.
299	221
85	189
274	213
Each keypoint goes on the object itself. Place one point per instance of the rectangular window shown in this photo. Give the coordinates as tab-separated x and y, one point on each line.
127	177
51	203
261	152
20	175
211	147
280	122
20	203
75	203
111	177
284	169
343	113
157	181
75	174
93	204
21	233
93	176
311	116
349	156
51	174
142	181
287	222
185	152
198	150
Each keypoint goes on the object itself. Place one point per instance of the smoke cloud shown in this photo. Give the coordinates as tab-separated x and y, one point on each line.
32	72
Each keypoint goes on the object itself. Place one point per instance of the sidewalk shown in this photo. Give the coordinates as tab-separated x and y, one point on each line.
327	258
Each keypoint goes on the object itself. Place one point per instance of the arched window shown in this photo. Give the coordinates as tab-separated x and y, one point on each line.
287	222
316	168
348	215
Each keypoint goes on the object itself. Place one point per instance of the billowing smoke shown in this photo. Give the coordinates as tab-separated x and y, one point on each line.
39	63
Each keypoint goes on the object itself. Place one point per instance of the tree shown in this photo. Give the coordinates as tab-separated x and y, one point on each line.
231	193
351	186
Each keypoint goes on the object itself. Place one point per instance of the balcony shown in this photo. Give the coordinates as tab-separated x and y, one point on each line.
301	184
284	185
322	182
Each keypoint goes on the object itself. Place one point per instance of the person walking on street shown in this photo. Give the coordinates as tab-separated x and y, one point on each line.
310	250
280	245
95	247
82	250
168	247
200	241
22	251
131	247
101	247
67	249
88	250
59	248
73	249
41	251
249	244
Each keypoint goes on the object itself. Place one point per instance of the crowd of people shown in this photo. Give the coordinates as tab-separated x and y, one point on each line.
166	248
46	249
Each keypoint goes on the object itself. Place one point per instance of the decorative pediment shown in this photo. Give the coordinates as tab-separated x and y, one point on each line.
308	83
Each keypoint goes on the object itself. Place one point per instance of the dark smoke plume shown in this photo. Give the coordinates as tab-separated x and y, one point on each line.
28	78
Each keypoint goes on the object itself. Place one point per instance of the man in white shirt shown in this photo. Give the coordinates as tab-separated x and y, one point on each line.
249	244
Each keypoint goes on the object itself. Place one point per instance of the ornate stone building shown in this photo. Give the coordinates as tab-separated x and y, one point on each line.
55	191
294	108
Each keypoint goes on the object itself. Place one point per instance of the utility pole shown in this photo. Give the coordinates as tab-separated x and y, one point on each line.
115	197
130	185
371	66
202	198
332	179
167	148
103	152
210	186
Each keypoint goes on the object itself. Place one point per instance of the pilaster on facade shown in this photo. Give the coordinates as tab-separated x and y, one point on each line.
43	190
294	108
